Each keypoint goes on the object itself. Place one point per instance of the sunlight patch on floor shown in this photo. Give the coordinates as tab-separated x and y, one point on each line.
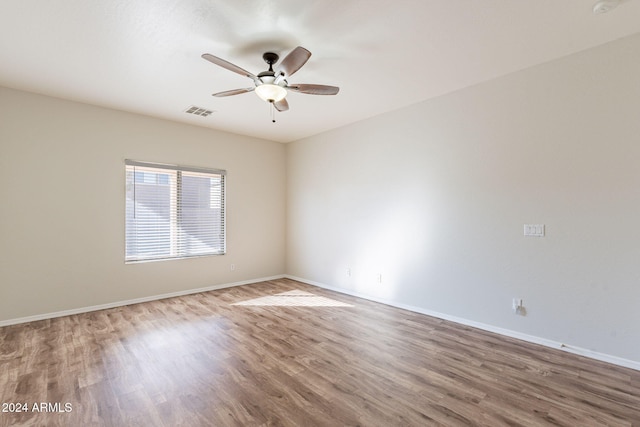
294	299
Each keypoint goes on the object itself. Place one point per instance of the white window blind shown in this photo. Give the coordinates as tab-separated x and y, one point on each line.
173	211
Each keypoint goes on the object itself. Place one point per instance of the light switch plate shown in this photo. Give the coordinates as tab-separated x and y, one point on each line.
534	230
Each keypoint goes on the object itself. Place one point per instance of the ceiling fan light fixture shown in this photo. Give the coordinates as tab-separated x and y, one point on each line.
270	92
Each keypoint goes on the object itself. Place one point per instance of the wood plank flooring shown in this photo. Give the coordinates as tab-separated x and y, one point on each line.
295	360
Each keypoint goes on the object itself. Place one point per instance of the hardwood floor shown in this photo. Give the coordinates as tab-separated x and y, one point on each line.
295	360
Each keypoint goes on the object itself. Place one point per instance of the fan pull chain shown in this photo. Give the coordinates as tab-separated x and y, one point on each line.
273	112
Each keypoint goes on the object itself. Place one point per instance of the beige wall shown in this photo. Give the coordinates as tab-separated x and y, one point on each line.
434	197
62	197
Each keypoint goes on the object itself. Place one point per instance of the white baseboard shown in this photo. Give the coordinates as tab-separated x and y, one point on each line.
506	332
131	301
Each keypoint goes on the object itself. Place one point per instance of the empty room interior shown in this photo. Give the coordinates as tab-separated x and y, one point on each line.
388	213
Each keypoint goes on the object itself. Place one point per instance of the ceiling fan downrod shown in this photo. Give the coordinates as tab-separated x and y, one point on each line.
270	58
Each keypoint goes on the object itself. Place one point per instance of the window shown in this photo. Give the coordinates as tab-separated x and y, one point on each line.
173	211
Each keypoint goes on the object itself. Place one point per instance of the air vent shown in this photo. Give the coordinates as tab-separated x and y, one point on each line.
198	111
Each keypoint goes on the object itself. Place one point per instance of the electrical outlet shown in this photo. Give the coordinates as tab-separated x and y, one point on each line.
516	305
232	267
348	272
379	277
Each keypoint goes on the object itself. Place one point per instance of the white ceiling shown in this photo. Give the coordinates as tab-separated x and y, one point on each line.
143	56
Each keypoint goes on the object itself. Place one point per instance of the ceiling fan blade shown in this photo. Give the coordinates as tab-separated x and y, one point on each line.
229	66
314	89
293	61
234	92
282	105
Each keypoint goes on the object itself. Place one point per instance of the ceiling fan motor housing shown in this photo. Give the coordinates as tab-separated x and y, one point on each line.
269	89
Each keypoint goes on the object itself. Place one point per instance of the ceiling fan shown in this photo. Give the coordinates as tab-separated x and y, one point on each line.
272	86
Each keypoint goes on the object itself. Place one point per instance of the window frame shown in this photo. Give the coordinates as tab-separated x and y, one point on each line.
179	253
